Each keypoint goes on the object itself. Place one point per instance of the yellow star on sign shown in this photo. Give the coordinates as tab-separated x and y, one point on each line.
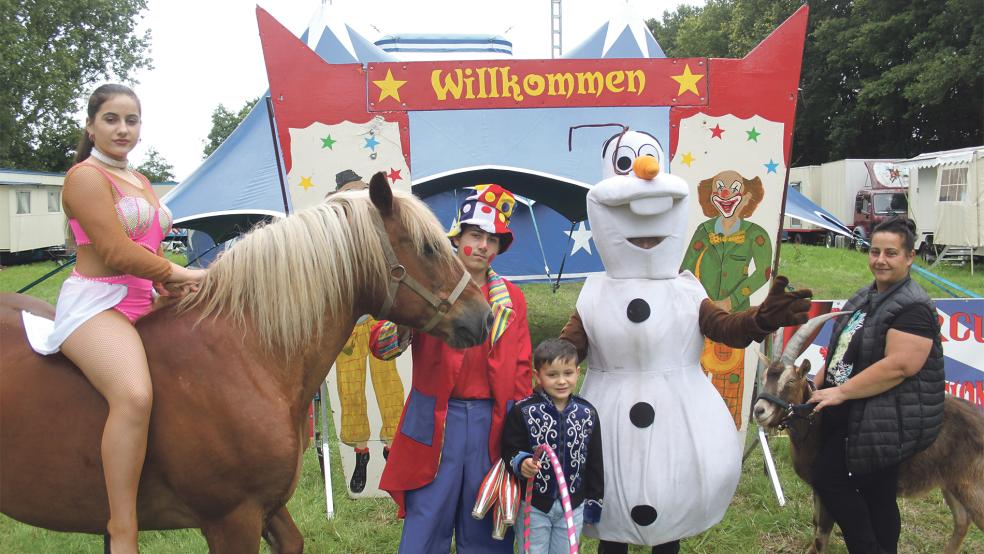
688	159
688	81
389	87
306	183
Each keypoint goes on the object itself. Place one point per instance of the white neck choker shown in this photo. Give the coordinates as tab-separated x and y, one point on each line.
121	164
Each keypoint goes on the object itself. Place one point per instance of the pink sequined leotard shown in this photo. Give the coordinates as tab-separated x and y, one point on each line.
143	224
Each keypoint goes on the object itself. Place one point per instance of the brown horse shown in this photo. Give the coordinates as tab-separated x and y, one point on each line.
954	462
234	368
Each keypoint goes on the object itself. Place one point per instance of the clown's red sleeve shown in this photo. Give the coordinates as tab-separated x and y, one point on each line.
384	340
524	371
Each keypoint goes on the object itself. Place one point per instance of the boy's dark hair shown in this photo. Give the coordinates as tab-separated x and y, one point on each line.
551	350
901	226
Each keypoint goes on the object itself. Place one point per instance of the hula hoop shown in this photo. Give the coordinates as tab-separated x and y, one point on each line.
565	499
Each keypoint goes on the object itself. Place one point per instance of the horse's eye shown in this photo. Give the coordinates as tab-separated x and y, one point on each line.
429	250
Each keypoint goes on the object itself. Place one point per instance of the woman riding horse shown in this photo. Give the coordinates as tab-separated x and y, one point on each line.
118	225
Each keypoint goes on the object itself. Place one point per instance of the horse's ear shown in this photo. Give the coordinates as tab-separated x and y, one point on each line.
765	359
804	368
380	193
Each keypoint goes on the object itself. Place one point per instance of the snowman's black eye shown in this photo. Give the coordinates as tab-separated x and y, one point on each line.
624	157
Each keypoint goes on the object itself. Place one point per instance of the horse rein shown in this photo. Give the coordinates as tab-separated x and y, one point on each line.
398	275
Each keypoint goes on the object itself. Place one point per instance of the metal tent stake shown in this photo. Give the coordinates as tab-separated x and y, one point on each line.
322	443
763	439
771	466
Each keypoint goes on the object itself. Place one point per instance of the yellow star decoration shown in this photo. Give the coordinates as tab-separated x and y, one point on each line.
306	183
688	81
688	159
389	87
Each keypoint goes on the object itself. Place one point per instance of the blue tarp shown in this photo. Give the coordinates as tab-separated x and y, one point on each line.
803	208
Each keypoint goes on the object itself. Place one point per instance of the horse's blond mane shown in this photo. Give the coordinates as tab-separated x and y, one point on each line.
291	278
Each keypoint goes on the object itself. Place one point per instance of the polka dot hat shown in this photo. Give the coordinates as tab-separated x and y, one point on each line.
489	209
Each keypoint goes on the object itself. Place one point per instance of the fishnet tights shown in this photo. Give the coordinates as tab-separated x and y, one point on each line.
109	352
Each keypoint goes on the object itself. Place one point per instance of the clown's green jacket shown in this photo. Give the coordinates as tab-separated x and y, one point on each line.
722	262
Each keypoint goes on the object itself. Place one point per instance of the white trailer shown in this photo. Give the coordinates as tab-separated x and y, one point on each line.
946	192
31	216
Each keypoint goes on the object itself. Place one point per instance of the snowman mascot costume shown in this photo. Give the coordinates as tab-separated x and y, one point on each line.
672	455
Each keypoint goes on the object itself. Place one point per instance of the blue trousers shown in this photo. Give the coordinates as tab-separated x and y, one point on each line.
548	532
442	508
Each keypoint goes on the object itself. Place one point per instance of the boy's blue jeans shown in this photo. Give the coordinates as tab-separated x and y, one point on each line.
548	532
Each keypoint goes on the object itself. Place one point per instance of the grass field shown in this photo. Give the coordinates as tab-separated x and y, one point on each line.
753	523
836	273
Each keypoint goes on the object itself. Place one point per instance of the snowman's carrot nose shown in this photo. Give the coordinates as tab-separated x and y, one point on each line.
646	167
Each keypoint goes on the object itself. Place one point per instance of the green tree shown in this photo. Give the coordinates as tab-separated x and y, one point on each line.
55	52
156	168
224	123
695	31
910	78
881	78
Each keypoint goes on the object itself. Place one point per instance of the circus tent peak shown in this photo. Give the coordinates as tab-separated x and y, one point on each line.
625	35
238	184
336	42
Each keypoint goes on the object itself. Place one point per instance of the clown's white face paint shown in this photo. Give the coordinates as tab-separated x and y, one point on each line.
638	223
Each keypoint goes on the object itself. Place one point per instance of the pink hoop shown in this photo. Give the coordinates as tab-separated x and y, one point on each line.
565	499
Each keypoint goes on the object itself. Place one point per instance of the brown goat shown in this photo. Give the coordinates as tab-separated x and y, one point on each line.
954	462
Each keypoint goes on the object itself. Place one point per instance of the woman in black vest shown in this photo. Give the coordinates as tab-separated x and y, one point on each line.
881	390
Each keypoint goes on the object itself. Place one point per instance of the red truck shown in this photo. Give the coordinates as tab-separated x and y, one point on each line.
872	206
859	193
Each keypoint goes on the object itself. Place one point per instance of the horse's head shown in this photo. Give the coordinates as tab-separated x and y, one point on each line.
787	386
426	285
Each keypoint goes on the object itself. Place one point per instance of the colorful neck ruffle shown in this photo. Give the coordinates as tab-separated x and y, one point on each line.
502	306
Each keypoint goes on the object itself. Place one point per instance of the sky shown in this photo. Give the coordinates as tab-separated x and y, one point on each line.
208	52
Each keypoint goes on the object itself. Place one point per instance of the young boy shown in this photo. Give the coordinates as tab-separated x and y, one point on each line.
554	415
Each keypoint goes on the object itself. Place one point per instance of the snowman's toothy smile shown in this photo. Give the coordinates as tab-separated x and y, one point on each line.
645	242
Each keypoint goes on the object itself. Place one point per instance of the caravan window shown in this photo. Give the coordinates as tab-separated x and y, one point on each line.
54	201
23	201
953	184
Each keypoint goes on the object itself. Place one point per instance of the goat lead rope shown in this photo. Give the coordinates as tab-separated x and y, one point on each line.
565	499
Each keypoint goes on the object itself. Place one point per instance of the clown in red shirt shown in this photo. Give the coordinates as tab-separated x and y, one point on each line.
451	427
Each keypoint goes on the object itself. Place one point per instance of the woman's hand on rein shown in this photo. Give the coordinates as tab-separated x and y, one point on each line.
183	281
827	397
176	290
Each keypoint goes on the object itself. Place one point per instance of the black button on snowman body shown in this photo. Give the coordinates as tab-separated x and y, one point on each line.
638	311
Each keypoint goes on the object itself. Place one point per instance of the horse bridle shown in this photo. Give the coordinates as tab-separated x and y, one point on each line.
398	275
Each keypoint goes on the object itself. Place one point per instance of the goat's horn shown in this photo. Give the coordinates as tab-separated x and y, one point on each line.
797	344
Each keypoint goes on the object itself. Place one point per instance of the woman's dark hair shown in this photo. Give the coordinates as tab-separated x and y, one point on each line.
553	350
901	226
96	100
